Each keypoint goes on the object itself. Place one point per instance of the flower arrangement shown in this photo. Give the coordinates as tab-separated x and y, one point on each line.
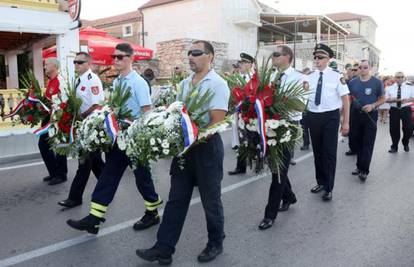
33	108
164	95
263	108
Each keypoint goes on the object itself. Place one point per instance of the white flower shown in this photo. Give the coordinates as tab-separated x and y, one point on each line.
272	124
175	106
152	142
101	134
271	142
121	143
52	131
270	133
155	148
166	151
251	127
103	140
165	144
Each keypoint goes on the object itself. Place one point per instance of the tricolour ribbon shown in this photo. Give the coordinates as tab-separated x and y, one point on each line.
16	109
34	99
45	128
190	130
259	108
112	126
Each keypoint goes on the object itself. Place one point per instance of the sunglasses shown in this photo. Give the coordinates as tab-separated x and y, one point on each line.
119	57
354	69
79	62
399	77
319	57
363	68
276	54
196	53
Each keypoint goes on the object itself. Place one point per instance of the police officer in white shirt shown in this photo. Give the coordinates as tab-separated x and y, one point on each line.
400	96
280	188
328	95
89	90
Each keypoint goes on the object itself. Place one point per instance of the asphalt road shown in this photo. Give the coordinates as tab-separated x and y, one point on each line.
366	224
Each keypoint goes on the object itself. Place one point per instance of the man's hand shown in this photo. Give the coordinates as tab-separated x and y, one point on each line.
368	108
345	129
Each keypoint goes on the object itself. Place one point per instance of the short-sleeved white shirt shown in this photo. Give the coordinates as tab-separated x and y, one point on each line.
407	92
89	89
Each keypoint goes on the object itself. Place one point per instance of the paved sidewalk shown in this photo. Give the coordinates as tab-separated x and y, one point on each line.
18	144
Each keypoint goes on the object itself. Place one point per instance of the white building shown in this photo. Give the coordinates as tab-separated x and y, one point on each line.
25	27
234	22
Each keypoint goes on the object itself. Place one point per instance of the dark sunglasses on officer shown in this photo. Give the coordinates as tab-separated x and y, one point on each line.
196	52
119	56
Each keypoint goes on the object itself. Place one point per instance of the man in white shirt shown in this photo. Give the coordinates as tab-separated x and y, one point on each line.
328	95
400	96
89	89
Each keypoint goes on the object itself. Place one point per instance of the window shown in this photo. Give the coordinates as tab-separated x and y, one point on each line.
127	30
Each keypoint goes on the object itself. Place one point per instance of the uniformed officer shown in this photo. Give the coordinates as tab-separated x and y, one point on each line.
89	90
246	71
368	94
351	139
203	167
400	95
56	164
117	161
281	189
328	94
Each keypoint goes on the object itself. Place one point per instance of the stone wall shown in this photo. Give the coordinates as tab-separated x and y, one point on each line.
174	53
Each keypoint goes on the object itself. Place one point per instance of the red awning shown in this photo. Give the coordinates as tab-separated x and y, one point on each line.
101	46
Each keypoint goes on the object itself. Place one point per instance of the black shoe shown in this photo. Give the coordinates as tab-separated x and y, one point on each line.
90	224
266	224
327	196
305	147
356	172
285	205
154	254
237	171
292	162
350	153
69	203
406	148
209	253
149	219
363	176
393	150
57	180
47	178
317	188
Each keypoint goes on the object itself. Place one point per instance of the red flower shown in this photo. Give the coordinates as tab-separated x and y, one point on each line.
30	105
266	95
63	105
66	116
30	118
238	95
276	116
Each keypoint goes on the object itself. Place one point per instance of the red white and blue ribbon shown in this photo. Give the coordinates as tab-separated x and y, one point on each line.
45	128
34	99
259	108
190	130
238	107
16	109
112	126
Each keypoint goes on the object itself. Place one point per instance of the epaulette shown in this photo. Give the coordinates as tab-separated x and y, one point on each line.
410	83
89	76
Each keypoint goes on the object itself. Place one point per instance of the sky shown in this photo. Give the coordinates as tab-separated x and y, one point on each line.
394	36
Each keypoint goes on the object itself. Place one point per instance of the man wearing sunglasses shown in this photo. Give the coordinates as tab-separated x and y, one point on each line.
328	95
368	94
89	89
400	95
117	161
284	76
203	167
351	138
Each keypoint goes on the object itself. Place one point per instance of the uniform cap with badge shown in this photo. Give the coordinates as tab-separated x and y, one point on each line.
246	58
323	49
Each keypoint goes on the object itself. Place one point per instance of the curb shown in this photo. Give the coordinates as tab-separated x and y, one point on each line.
20	157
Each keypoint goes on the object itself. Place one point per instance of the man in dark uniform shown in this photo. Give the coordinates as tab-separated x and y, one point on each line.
368	93
328	95
56	164
203	167
116	159
89	89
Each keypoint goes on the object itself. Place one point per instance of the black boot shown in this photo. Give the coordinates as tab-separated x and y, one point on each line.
154	254
209	253
149	219
90	224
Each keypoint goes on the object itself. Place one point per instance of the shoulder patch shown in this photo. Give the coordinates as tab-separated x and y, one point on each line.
343	81
306	85
89	76
95	90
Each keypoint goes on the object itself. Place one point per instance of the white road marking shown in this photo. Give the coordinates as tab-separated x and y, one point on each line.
118	227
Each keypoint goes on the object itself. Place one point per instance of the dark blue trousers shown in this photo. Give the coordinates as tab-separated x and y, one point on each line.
203	167
324	128
56	164
116	163
92	162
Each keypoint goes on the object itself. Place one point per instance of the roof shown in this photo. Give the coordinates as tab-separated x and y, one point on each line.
152	3
133	15
344	16
266	8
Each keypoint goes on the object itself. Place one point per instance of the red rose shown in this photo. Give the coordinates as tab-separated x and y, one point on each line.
63	105
66	116
276	116
30	105
30	118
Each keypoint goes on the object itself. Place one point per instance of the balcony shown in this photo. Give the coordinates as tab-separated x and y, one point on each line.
247	18
46	5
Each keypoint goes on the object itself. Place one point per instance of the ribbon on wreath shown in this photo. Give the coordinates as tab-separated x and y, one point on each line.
16	109
112	126
190	130
34	99
259	108
44	129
